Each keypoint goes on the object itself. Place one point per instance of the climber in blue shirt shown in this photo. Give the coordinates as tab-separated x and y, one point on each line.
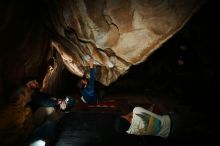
88	86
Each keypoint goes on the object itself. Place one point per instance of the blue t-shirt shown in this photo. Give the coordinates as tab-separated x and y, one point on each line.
88	92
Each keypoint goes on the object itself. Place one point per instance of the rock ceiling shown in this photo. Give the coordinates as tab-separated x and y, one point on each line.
115	33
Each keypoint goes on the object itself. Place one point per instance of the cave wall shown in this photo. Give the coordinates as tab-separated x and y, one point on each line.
197	82
24	43
116	33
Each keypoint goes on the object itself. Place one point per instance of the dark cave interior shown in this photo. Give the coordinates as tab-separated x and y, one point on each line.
191	87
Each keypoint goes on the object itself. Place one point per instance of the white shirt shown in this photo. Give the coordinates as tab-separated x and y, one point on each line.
138	125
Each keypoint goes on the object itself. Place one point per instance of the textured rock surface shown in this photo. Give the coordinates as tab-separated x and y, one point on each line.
116	33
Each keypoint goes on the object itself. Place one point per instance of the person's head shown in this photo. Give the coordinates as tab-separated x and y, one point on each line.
84	81
31	83
20	96
121	125
69	102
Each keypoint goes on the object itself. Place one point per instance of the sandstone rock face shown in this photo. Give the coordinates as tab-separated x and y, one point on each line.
116	33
